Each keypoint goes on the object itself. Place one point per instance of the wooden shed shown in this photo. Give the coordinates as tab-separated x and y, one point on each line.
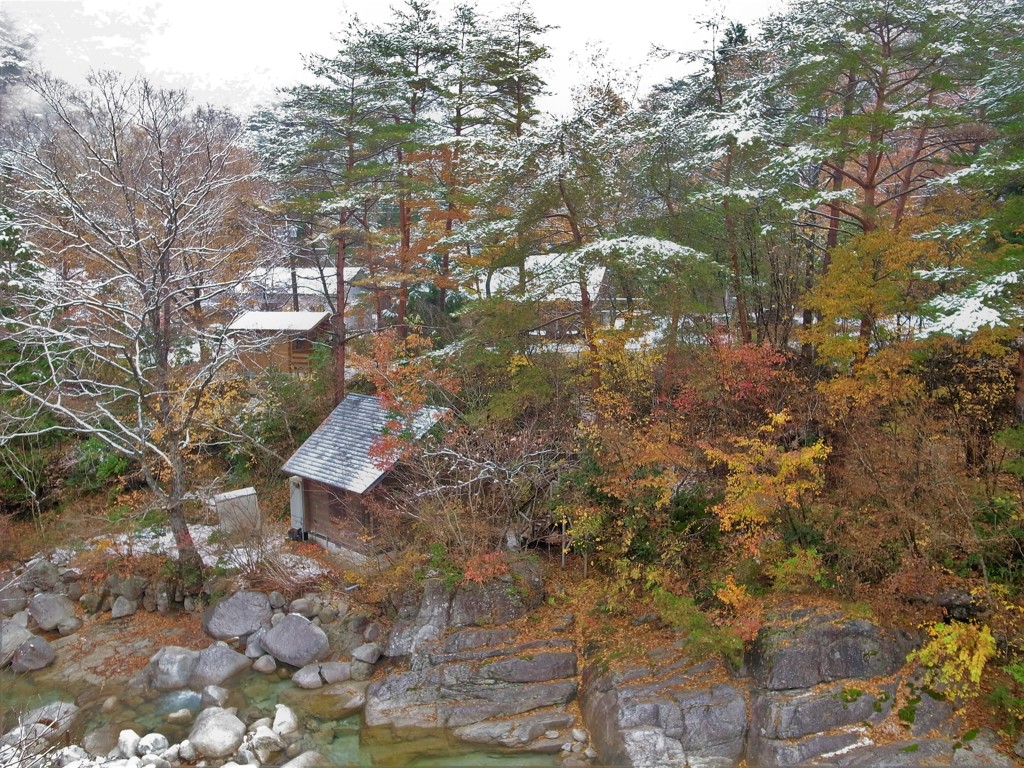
281	340
335	469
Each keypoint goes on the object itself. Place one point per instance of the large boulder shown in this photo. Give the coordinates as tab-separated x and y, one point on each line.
804	648
217	663
171	668
35	653
41	576
12	635
238	615
296	641
51	611
216	733
677	714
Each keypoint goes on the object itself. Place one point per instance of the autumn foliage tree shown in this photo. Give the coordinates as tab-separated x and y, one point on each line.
141	207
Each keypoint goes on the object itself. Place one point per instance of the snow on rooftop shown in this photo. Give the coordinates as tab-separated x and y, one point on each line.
310	281
278	321
549	276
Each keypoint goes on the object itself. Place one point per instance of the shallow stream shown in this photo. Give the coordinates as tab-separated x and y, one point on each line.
344	742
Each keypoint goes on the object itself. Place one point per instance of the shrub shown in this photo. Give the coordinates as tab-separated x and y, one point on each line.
955	657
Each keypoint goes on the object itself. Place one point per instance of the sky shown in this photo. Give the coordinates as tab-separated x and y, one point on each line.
235	53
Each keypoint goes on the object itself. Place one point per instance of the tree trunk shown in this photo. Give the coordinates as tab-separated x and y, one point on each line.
339	322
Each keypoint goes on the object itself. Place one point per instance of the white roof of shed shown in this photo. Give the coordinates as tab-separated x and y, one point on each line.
278	321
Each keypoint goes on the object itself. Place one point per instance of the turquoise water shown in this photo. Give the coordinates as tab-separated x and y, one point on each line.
343	741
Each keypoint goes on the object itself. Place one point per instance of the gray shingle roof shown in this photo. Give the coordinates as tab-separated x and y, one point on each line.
338	452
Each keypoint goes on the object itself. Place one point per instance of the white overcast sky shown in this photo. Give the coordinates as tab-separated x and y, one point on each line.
236	52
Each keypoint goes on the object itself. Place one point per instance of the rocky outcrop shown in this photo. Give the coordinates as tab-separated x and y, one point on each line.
804	648
471	604
472	676
679	714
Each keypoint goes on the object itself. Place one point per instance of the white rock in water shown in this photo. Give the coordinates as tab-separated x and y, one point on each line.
152	743
179	716
285	721
187	752
217	732
128	743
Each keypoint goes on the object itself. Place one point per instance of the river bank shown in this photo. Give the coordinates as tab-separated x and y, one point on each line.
497	671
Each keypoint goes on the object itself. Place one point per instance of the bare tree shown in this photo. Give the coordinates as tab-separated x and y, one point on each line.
141	206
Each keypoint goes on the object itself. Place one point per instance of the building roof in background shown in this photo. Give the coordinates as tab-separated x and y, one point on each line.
295	322
549	277
309	280
339	452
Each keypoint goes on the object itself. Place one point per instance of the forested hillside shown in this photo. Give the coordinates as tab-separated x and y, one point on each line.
752	335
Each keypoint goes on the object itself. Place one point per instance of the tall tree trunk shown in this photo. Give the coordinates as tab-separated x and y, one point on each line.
339	319
734	251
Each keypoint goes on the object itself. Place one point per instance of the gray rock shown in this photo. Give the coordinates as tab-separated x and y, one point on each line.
128	743
1018	748
214	696
449	687
277	600
266	743
670	721
164	596
335	671
519	732
154	761
360	670
149	599
982	750
12	635
91	602
100	741
153	743
265	664
238	615
295	641
369	652
253	646
372	633
429	622
49	610
180	716
56	718
129	587
123	606
803	649
69	626
303	606
187	752
12	599
285	721
308	677
217	663
330	702
35	653
41	576
500	601
171	668
786	727
216	733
